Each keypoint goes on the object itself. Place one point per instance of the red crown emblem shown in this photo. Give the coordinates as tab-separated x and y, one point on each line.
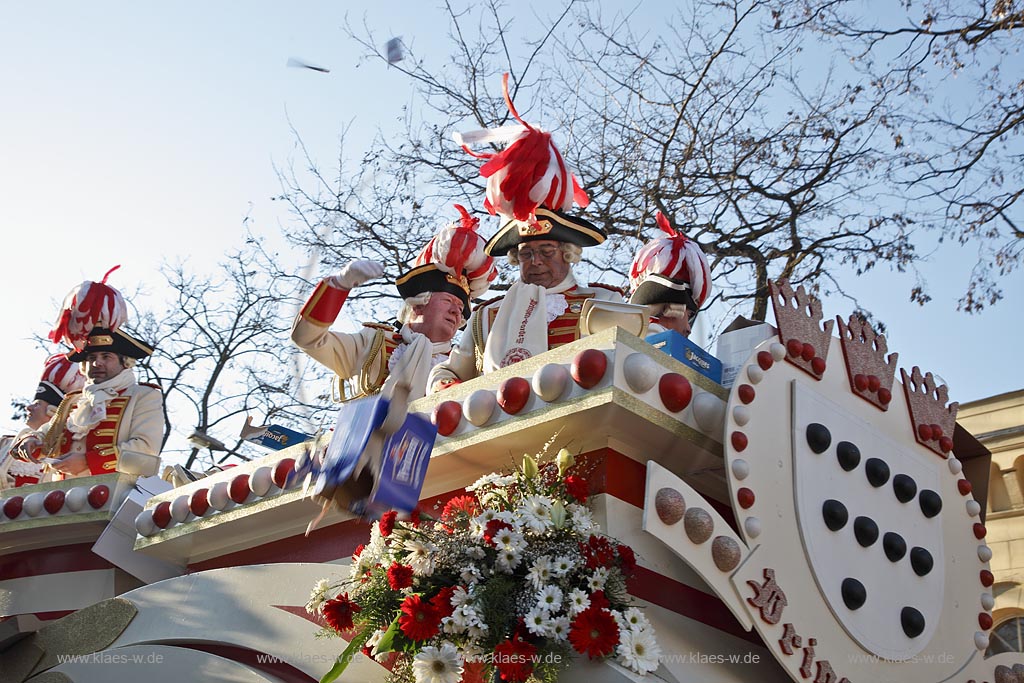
798	316
932	421
870	373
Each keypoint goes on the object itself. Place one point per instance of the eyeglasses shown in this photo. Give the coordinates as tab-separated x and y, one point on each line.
545	253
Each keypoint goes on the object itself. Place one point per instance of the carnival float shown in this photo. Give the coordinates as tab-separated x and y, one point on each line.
819	519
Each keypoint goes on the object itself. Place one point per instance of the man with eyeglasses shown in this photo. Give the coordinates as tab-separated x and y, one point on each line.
541	311
670	275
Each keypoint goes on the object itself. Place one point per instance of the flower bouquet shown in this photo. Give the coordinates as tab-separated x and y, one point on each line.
507	584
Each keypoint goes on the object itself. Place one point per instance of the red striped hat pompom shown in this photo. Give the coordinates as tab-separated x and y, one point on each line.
528	173
675	257
89	305
62	373
458	249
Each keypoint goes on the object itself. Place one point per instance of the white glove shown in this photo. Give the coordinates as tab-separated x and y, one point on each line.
356	273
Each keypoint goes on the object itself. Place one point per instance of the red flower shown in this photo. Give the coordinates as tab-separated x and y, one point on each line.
594	633
399	576
577	487
493	528
598	552
338	612
598	600
414	517
419	620
628	560
359	551
442	602
514	659
387	522
457	510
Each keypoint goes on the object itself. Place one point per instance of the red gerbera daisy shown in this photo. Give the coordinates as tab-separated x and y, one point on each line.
514	659
594	633
599	600
387	522
399	576
577	487
358	551
457	510
419	620
442	602
338	612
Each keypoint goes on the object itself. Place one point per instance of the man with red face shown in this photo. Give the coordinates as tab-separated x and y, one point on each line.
541	311
449	271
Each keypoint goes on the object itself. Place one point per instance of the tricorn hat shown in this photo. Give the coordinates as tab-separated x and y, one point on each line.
550	225
670	269
89	305
453	261
114	341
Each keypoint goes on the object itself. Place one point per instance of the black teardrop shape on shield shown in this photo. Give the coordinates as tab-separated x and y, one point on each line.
848	455
904	487
854	593
834	514
894	546
818	437
912	622
877	472
921	560
866	531
931	503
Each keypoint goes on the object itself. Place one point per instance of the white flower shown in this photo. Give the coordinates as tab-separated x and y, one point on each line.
478	631
558	628
438	664
485	480
632	619
318	596
372	641
507	559
578	601
535	512
597	579
550	598
470	574
582	519
561	566
638	650
420	556
509	539
537	621
540	571
476	552
460	596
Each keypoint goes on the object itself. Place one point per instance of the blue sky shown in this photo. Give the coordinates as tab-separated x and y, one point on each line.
138	132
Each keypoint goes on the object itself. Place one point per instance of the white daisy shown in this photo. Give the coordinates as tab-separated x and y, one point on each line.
578	601
561	566
550	598
582	519
537	621
470	574
639	650
540	571
476	552
597	579
438	664
634	619
420	556
318	596
558	628
507	560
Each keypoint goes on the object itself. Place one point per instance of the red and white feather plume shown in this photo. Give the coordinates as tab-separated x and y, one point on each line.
62	373
457	248
89	305
676	257
528	173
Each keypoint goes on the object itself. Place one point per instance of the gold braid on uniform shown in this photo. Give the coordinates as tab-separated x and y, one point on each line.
368	386
54	439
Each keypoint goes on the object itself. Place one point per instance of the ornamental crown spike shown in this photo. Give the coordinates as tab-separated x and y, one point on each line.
867	368
798	317
931	419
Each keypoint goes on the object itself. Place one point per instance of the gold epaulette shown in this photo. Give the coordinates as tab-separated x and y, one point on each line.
380	326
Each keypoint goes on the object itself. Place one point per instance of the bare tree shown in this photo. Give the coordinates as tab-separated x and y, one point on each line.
954	111
222	350
707	120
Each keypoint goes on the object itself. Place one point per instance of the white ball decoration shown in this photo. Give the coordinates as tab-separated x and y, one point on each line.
641	372
220	496
479	406
981	640
550	382
709	413
955	466
754	373
76	499
778	351
987	602
261	480
984	553
179	509
973	507
33	504
740	468
144	523
741	415
752	525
